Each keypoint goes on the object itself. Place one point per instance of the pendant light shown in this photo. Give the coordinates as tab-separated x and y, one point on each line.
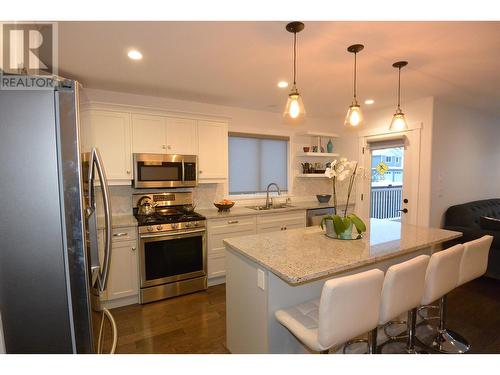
398	122
294	110
354	116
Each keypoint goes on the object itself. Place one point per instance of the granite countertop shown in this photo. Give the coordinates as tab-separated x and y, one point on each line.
118	221
306	254
213	213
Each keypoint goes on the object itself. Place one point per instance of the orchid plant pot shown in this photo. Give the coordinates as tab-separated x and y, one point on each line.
330	230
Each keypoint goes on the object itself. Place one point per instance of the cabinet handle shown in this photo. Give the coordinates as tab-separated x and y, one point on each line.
133	248
200	172
121	234
169	147
163	147
128	172
233	221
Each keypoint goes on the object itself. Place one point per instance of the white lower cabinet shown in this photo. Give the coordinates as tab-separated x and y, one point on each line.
123	280
219	229
282	221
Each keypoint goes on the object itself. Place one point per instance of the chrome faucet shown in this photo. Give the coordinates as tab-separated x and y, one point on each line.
268	204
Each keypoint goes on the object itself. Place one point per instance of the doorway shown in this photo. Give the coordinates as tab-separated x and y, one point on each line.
391	171
386	179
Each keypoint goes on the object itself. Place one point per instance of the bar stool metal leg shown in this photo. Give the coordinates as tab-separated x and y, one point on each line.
371	343
444	340
404	344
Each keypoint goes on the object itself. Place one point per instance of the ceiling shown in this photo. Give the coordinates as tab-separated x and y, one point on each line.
240	63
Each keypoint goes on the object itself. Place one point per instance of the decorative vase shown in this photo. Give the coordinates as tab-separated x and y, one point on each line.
347	234
329	146
330	230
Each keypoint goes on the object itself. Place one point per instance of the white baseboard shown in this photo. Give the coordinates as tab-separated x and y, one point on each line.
125	301
216	281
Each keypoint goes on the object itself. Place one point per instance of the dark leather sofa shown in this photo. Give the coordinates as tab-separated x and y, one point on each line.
466	218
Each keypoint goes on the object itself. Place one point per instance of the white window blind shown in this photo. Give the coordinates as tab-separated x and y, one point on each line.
255	161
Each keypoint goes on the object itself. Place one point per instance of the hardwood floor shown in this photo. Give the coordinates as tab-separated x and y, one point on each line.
196	323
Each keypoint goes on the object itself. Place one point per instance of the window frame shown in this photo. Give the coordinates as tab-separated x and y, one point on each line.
255	195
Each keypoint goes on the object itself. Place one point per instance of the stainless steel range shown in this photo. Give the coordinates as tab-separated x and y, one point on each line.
172	244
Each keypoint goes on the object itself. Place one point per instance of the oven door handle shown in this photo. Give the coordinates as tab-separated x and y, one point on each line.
172	234
183	172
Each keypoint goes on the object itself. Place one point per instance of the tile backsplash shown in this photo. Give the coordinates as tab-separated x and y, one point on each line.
303	189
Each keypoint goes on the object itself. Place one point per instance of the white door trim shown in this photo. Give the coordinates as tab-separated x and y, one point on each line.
411	166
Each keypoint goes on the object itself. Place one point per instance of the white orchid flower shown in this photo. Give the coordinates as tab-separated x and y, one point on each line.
333	163
343	175
343	160
330	173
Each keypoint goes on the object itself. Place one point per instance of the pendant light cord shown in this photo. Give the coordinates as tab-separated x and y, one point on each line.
294	56
355	76
399	89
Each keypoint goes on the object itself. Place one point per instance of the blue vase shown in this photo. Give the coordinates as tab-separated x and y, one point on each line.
329	146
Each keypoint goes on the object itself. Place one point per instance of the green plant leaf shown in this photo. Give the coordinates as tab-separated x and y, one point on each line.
358	223
338	224
324	219
347	222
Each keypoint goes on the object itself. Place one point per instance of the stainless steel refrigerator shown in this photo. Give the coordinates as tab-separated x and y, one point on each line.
50	270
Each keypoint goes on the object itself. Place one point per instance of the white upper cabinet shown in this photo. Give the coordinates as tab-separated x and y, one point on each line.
181	136
120	132
212	150
109	131
148	134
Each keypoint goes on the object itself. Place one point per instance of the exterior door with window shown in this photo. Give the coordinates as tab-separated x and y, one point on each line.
390	181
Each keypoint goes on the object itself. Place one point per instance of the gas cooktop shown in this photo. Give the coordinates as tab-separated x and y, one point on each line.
158	218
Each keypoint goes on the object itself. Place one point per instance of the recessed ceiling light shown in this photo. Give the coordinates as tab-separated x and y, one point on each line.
282	84
369	101
134	54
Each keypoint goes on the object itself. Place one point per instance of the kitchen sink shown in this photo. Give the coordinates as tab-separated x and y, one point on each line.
263	207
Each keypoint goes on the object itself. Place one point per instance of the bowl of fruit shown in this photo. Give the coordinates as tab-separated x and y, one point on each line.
224	205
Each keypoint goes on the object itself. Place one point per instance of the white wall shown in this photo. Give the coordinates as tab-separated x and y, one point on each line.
241	120
466	157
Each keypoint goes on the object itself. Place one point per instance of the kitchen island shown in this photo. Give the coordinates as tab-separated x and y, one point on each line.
267	272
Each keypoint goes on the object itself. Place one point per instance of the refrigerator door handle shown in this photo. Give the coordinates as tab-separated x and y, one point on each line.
96	162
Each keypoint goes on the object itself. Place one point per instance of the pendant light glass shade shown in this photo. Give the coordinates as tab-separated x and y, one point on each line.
354	117
398	122
294	109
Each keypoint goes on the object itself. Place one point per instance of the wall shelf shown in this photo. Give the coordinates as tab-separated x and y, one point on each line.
311	175
318	134
318	154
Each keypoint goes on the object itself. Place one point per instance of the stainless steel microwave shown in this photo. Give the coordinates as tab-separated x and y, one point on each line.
165	171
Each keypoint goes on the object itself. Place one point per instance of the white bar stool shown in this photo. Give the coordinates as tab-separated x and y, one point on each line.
348	307
473	264
441	278
402	292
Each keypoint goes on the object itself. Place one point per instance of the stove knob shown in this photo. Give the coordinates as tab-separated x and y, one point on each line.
159	227
195	223
189	225
175	226
150	228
